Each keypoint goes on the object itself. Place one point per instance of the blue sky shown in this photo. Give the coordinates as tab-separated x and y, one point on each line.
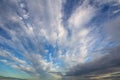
42	37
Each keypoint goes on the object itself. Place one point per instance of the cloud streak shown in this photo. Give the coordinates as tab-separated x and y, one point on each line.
36	39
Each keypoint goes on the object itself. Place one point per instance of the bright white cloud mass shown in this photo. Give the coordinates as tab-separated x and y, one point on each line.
59	39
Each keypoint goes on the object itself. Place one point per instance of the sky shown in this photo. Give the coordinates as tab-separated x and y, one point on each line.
60	39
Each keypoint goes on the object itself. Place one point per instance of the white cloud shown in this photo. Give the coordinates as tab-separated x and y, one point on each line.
42	23
4	61
18	60
82	15
78	43
25	68
83	32
8	55
116	11
44	19
47	19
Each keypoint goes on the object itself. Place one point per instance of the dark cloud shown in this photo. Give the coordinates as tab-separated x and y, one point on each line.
112	28
110	60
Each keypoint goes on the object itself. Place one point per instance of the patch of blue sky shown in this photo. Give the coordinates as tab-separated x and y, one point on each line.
4	46
4	34
50	51
4	58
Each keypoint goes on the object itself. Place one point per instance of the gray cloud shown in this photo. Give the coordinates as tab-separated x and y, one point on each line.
110	60
112	28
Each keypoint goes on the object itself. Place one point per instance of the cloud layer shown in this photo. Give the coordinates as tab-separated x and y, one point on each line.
48	39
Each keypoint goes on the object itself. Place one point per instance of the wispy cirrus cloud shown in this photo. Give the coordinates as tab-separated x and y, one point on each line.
36	39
